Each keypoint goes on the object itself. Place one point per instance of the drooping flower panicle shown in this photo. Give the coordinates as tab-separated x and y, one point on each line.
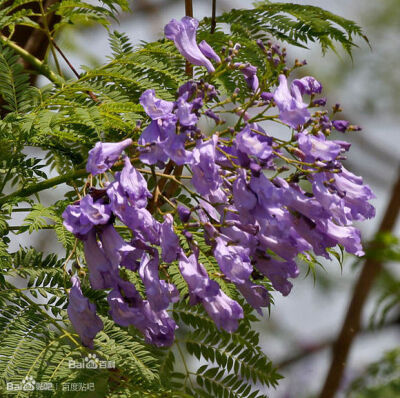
255	226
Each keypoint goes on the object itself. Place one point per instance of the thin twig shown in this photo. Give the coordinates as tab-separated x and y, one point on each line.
189	8
75	72
352	322
213	16
48	34
73	175
189	13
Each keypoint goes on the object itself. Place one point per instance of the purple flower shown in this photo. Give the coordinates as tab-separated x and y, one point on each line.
250	75
224	311
341	125
175	149
114	247
256	295
183	33
157	327
97	213
143	224
199	283
138	219
355	194
295	198
206	176
268	195
126	304
184	113
131	259
156	108
267	97
82	314
308	85
75	221
80	219
327	197
227	156
101	272
240	233
187	90
210	209
292	110
319	102
160	328
243	197
317	147
154	138
118	201
133	184
278	234
317	239
348	237
104	155
213	116
209	52
253	143
159	293
184	213
325	123
278	273
343	195
233	260
169	240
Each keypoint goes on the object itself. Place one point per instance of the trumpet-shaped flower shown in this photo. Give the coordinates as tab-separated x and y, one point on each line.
104	154
82	314
292	110
183	33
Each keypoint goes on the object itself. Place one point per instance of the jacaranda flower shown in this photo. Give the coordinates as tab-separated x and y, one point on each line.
206	176
155	107
104	154
159	293
183	33
224	311
292	110
199	283
82	314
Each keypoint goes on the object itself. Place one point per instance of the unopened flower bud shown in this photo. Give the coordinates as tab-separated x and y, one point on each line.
261	45
354	127
319	102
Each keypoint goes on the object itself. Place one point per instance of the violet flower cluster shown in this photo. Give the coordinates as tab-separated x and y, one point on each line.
260	201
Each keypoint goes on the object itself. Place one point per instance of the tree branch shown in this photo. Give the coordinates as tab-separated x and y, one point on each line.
36	63
80	173
189	13
352	322
213	16
40	186
74	71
